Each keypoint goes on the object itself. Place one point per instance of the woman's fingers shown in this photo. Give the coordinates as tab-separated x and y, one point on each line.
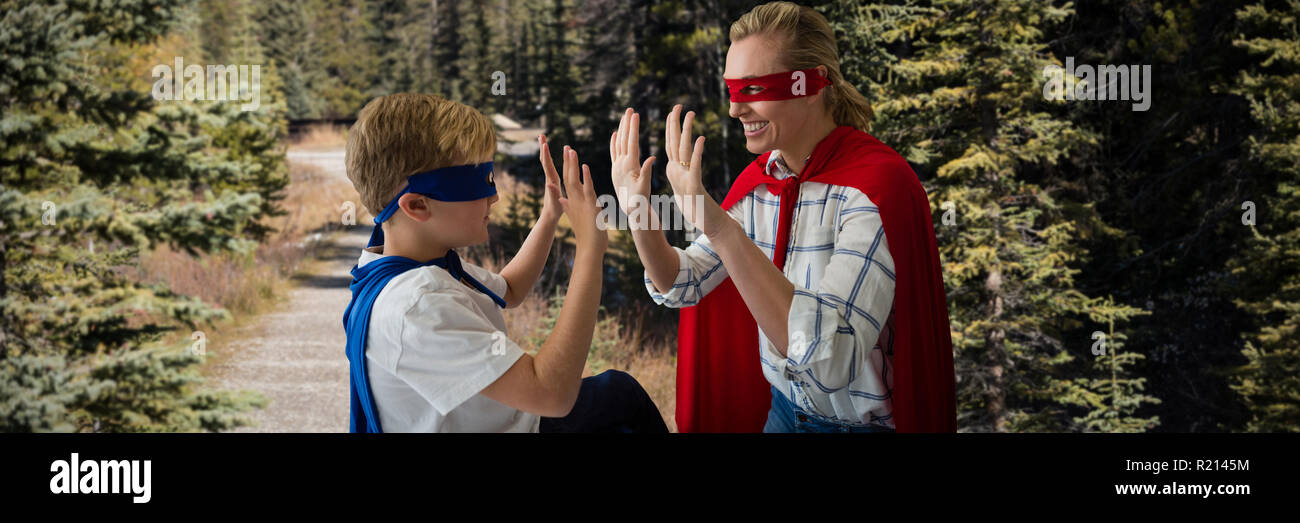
626	146
613	154
684	150
697	156
672	133
627	133
635	139
622	131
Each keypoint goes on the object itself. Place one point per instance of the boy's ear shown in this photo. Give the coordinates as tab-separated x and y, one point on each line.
415	207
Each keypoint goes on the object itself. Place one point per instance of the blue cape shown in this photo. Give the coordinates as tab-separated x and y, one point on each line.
367	282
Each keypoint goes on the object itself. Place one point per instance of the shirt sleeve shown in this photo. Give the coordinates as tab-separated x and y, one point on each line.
834	327
450	350
699	269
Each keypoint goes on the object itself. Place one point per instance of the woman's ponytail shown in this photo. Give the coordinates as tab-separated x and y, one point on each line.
848	106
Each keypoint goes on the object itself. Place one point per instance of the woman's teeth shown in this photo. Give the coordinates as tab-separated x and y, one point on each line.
754	127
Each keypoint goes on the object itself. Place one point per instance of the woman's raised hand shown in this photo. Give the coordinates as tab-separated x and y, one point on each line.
684	173
629	174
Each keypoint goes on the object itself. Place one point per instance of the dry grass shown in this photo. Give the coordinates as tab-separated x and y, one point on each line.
321	136
315	201
240	284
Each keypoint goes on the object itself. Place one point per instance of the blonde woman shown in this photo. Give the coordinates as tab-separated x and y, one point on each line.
814	301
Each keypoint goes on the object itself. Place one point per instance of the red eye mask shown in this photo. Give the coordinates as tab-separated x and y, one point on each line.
779	86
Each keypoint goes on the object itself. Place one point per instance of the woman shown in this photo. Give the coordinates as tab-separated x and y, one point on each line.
819	270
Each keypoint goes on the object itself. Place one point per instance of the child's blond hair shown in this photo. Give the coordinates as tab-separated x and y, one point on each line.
402	134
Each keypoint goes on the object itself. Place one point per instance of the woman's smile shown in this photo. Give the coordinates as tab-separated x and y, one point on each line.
754	128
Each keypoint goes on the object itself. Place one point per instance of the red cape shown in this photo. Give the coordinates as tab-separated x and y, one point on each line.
720	386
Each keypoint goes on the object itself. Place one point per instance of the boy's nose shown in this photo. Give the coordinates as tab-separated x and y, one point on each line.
493	199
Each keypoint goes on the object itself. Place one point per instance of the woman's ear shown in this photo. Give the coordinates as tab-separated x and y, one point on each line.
415	206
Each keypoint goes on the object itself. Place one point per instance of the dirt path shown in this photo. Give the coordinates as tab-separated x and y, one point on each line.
331	160
293	355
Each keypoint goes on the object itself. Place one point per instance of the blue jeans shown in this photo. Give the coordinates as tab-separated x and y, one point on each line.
611	401
788	417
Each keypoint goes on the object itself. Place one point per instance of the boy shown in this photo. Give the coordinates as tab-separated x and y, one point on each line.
427	345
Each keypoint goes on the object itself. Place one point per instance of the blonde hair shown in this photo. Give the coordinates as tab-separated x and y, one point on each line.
808	42
402	134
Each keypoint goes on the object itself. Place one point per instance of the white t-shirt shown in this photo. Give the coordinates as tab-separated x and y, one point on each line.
434	344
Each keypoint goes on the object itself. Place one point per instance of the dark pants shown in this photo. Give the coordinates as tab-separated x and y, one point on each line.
612	401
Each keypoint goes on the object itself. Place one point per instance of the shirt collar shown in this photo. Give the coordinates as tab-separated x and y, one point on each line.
777	168
368	255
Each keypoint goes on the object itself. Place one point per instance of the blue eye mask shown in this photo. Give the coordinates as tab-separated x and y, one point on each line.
460	183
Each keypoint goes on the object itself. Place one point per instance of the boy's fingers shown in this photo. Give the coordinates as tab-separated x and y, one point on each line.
574	175
685	150
548	165
565	173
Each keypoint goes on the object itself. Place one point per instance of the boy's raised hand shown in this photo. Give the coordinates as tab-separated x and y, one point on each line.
551	209
580	204
625	155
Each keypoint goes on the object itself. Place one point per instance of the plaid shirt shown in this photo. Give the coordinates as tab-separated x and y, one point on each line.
839	364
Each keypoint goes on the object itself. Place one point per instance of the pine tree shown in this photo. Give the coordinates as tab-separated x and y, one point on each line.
92	172
962	101
289	40
559	81
1269	383
446	51
346	55
1115	396
1170	183
480	59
